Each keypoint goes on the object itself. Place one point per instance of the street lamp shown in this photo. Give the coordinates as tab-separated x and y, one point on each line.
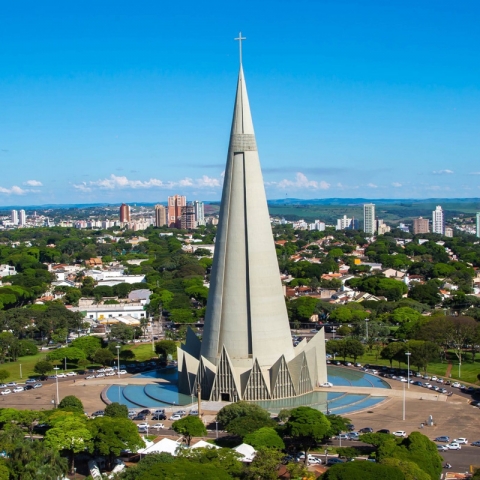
118	347
21	371
56	380
366	328
216	429
403	416
408	368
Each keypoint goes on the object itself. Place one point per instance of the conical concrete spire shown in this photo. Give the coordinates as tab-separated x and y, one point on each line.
246	310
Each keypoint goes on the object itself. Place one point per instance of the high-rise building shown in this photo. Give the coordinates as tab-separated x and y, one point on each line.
345	223
438	222
187	220
175	204
22	218
381	227
478	224
246	352
199	212
448	232
369	218
160	216
124	213
421	225
317	225
14	217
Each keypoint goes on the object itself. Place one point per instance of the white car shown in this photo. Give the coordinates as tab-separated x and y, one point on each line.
18	389
122	372
158	426
143	425
71	374
61	375
109	369
173	417
326	384
89	377
461	441
400	433
456	384
110	374
454	446
101	370
99	375
6	391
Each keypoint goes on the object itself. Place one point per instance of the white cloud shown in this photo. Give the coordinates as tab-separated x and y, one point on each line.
372	185
396	184
15	190
33	183
442	172
301	181
474	173
121	182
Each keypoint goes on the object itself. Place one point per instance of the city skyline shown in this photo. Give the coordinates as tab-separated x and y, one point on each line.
103	106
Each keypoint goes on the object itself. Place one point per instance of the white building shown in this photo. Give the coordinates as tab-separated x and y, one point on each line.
199	212
22	218
478	224
6	270
317	225
448	232
369	218
101	312
438	222
345	223
14	217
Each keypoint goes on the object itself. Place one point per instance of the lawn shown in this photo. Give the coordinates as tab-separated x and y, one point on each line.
469	370
142	351
27	363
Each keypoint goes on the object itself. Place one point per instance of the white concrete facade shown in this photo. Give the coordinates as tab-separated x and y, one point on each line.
438	222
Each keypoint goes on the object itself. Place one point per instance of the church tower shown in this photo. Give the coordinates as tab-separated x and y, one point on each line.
247	351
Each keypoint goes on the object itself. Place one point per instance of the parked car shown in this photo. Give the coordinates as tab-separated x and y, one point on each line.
400	433
3	385
89	377
160	410
145	411
38	385
443	438
18	389
383	430
476	444
122	372
31	380
72	374
159	416
343	436
175	417
350	427
442	448
61	375
98	413
353	436
99	375
456	384
326	384
6	391
366	430
454	446
28	387
110	374
140	416
143	425
333	461
460	440
11	384
158	426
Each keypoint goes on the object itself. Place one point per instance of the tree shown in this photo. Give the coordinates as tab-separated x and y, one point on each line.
112	435
70	353
71	403
354	348
165	348
265	437
422	353
122	332
391	351
303	308
362	471
223	459
69	433
265	464
338	424
459	332
116	410
4	374
189	426
410	470
240	409
43	367
88	344
103	356
307	426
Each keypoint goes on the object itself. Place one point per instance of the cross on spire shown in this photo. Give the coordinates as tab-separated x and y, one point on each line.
240	38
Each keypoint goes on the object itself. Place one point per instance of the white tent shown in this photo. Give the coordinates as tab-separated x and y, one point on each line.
165	445
204	444
246	451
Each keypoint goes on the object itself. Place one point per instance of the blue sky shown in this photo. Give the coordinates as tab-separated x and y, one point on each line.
132	101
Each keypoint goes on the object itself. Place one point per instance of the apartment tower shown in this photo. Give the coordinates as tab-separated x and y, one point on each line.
438	222
124	213
421	225
369	218
174	213
160	216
